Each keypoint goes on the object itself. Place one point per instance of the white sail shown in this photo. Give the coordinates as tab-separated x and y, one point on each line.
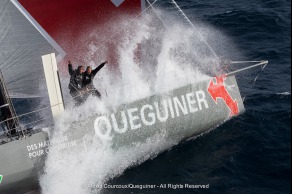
21	48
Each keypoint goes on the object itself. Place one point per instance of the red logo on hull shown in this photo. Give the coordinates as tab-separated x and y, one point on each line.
218	90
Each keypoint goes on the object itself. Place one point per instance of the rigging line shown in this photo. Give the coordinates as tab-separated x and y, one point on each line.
201	36
26	124
81	93
11	106
249	67
76	90
38	110
235	62
20	87
36	121
256	78
122	29
88	92
13	32
150	5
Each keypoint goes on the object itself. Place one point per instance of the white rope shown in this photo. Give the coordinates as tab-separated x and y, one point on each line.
151	5
264	64
236	62
201	36
249	67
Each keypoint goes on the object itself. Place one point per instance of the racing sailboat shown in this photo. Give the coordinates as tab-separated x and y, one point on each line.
185	112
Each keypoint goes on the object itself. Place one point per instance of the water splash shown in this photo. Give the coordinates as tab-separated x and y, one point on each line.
151	59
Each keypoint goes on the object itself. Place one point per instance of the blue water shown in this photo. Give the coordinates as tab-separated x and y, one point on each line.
250	153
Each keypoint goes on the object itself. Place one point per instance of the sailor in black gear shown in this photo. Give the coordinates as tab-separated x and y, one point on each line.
75	85
88	80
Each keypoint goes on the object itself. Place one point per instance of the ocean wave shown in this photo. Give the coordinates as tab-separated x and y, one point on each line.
284	93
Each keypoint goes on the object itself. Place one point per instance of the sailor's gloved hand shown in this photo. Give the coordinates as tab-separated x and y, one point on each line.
105	62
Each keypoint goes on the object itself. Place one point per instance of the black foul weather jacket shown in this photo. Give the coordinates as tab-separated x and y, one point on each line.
87	78
75	79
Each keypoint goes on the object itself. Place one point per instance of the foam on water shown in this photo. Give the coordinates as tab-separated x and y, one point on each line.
168	63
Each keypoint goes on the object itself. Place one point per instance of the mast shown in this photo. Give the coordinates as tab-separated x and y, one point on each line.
53	84
7	112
